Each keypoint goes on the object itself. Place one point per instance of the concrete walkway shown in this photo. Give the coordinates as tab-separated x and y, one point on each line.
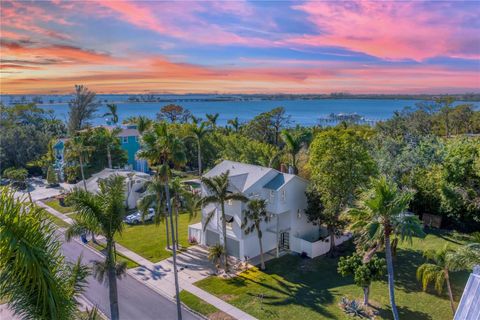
193	265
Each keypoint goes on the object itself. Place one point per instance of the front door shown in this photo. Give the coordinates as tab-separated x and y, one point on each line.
285	241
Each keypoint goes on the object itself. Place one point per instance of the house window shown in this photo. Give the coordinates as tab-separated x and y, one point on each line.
124	140
284	195
229	220
272	195
230	202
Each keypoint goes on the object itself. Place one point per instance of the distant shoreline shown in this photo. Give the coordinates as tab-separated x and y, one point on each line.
179	98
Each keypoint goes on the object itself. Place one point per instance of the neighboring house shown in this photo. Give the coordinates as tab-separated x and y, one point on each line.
130	141
469	306
134	180
58	150
285	195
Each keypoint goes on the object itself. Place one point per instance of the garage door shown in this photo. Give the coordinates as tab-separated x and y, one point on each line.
233	247
212	238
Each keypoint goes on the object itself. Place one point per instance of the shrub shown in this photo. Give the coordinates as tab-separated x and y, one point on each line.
355	309
17	175
52	176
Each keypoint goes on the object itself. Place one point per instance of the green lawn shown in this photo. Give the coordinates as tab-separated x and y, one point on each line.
59	222
149	240
202	307
55	204
296	288
120	257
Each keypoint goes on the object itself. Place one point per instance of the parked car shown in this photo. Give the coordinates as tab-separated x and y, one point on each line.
136	218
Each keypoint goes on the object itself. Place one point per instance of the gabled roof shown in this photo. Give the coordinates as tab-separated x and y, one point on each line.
129	133
243	176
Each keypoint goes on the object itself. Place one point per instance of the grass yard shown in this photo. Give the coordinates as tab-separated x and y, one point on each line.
202	307
55	204
120	257
296	288
59	222
149	240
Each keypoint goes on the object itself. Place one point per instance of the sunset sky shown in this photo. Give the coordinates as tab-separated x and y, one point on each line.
240	46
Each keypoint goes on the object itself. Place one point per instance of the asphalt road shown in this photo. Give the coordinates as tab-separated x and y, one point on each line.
137	301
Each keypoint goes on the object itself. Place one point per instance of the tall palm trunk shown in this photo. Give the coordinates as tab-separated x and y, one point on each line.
176	222
175	273
82	173
224	230
199	158
112	281
449	288
391	289
159	208
109	156
262	261
331	233
366	292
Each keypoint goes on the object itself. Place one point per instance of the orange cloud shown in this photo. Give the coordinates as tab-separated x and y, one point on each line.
157	74
62	54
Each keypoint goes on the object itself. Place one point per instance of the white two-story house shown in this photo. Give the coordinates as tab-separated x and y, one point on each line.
286	202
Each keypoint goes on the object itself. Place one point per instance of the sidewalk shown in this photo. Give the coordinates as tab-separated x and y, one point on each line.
193	266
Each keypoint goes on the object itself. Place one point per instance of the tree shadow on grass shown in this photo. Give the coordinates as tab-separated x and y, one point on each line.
403	313
303	282
298	294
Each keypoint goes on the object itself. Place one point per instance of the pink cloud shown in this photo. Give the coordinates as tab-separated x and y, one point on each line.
180	20
391	29
28	17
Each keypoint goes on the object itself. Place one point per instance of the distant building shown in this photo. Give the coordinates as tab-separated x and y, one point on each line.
288	229
129	141
134	184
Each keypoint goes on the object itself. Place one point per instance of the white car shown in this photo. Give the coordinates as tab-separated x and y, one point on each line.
136	218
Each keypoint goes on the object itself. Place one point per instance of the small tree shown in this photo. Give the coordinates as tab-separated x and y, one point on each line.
437	270
363	273
255	214
215	254
52	176
173	113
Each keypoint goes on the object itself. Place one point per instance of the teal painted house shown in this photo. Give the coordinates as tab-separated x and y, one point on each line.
130	142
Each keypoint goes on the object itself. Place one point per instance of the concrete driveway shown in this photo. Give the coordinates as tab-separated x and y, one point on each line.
39	191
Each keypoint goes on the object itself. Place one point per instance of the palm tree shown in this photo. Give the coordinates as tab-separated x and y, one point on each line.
293	144
112	112
212	119
143	124
381	214
165	149
82	151
255	214
105	210
218	188
155	197
34	275
198	133
193	204
234	123
111	139
177	189
215	254
437	270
